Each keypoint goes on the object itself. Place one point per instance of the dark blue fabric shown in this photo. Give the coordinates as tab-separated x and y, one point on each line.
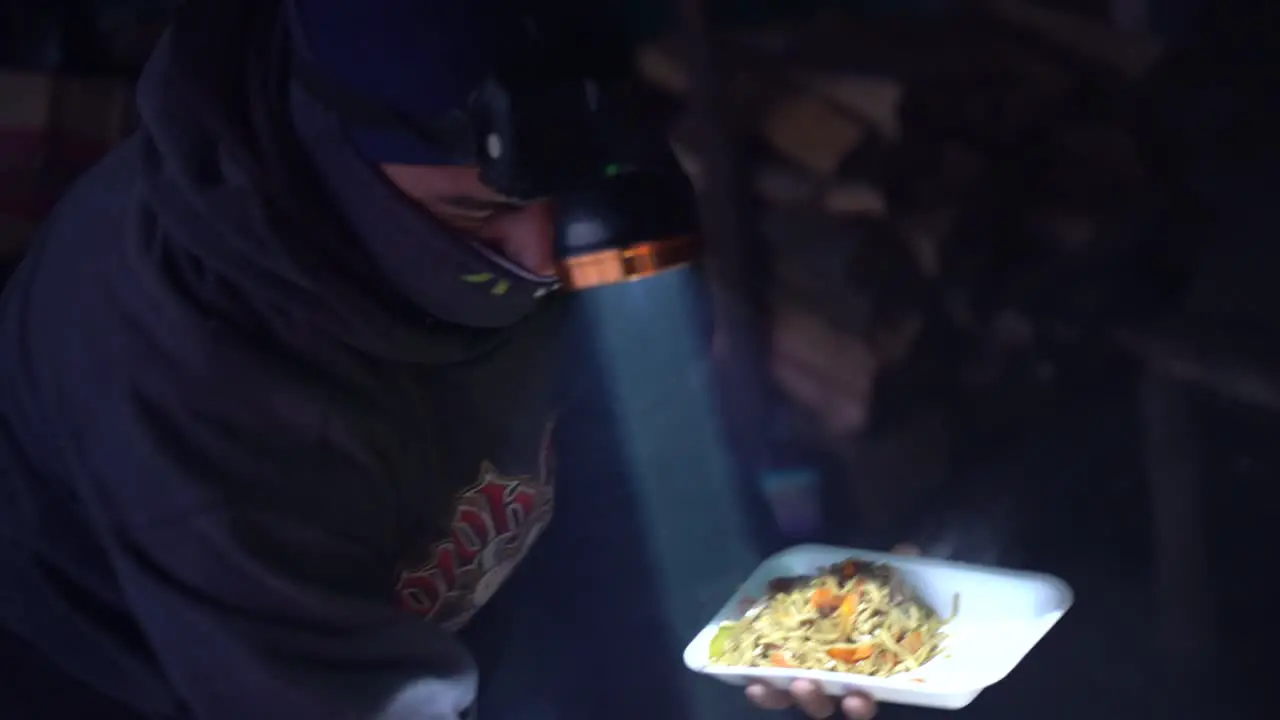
35	689
422	59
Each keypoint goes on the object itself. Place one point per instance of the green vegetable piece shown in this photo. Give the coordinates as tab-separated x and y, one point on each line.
721	639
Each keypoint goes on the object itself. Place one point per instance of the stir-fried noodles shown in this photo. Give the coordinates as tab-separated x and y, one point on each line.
854	618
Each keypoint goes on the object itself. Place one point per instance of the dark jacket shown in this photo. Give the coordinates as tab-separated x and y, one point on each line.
258	415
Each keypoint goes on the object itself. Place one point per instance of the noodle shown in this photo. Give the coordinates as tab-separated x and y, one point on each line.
852	618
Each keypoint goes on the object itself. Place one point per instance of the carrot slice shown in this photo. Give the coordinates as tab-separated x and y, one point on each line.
851	653
913	642
825	598
849	606
779	660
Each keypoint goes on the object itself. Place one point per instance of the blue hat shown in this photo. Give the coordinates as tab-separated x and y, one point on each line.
422	58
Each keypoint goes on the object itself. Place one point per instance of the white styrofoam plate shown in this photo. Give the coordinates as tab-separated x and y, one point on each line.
1002	615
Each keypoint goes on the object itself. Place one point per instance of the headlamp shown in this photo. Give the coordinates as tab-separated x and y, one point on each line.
624	208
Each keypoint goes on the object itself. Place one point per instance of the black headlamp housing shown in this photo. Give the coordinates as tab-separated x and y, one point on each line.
533	140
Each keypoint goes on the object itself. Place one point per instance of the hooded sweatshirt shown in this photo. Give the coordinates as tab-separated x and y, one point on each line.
268	434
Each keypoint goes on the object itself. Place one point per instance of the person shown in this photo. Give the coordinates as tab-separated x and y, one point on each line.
273	386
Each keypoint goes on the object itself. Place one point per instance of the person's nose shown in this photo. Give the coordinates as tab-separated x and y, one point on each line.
527	236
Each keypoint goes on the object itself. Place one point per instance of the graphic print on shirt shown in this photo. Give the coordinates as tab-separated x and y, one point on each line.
495	522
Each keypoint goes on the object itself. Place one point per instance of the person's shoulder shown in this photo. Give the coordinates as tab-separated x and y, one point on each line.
56	308
188	410
162	383
101	194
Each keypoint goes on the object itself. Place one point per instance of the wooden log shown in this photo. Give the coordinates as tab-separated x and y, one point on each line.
1128	53
1231	376
660	66
809	132
828	372
876	100
1176	485
854	198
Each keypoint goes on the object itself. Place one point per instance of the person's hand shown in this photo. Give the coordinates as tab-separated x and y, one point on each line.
808	696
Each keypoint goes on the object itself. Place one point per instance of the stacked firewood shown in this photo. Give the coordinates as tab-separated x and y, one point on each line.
979	174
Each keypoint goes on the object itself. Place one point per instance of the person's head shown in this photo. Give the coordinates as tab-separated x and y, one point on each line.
513	121
423	59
